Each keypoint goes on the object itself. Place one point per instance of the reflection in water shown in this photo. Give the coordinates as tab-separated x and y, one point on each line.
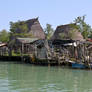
29	78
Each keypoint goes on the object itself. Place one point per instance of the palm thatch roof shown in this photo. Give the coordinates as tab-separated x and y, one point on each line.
33	28
66	32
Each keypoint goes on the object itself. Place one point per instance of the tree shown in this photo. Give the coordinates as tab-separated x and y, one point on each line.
20	26
90	36
62	35
48	31
4	36
72	34
84	28
19	29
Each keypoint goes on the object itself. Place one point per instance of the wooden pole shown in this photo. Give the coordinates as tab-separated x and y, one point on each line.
22	48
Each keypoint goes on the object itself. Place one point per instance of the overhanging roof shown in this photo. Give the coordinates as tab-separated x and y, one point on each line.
26	40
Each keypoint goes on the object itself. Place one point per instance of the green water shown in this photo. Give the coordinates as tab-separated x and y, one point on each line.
30	78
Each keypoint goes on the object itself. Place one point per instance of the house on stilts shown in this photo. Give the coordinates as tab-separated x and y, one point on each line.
24	44
65	41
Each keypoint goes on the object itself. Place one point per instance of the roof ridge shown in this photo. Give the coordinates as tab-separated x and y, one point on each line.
66	25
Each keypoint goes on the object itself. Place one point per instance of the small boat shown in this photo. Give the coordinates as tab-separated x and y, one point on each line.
77	65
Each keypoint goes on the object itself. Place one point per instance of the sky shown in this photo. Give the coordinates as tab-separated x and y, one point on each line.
54	12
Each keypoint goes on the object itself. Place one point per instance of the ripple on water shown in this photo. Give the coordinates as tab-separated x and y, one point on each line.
28	78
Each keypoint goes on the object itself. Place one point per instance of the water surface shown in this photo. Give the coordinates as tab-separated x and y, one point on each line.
16	77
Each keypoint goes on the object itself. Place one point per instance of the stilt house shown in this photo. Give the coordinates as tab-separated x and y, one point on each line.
66	39
34	29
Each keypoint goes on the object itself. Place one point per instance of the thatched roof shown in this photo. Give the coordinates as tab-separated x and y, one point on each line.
34	28
66	32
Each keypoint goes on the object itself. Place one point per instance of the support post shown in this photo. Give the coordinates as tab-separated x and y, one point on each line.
22	50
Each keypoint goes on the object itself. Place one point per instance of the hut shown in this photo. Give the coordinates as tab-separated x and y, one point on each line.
35	28
40	49
3	49
21	46
65	41
34	32
67	32
32	29
24	44
42	53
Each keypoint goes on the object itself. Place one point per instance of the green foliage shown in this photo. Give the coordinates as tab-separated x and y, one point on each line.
22	35
20	26
19	29
62	35
48	31
4	36
18	54
90	36
74	26
71	34
84	28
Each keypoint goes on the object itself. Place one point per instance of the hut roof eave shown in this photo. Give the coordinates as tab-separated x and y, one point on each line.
26	40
